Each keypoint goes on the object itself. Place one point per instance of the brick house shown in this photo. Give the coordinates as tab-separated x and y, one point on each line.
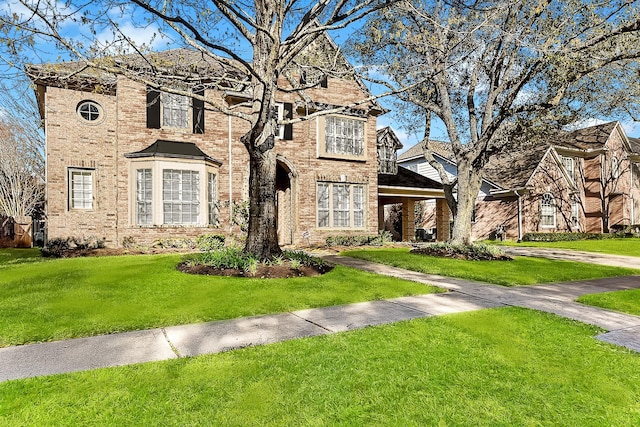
128	162
587	180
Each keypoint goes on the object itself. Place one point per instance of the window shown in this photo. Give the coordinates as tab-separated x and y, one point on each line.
615	167
89	110
575	212
344	136
341	205
635	175
387	159
569	165
547	211
144	195
167	110
175	111
180	196
81	189
212	200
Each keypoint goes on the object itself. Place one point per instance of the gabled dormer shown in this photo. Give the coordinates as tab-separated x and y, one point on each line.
388	144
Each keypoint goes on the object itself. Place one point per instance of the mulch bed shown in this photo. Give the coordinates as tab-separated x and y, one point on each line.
284	271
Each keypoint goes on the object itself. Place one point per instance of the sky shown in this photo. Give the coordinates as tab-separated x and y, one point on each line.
127	18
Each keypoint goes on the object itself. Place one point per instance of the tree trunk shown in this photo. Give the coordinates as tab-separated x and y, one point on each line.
262	237
469	182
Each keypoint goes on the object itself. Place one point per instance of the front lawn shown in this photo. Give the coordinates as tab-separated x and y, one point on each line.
498	367
520	271
65	298
624	301
627	247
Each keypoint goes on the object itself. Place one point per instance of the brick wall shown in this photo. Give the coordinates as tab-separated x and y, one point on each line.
101	147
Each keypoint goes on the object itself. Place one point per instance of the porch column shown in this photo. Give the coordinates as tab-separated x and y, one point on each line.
380	216
442	220
408	220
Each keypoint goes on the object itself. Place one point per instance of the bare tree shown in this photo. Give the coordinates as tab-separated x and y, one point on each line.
21	154
276	34
502	73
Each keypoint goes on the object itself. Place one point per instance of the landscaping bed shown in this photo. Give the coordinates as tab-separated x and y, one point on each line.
262	271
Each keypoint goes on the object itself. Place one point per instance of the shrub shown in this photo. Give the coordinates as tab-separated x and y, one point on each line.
359	239
304	259
470	252
128	242
565	237
91	242
210	242
56	247
174	243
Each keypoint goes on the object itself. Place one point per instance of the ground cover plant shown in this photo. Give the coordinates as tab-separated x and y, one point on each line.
507	366
619	246
520	271
624	301
64	298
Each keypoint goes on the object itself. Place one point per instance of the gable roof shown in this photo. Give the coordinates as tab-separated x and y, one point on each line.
387	134
439	148
589	138
635	145
513	169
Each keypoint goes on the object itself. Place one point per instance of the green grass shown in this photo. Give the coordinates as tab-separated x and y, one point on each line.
65	298
520	271
9	256
625	301
627	247
499	367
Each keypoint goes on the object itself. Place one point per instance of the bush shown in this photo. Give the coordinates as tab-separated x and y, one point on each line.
128	242
566	237
304	259
477	252
174	243
225	258
359	239
56	247
210	242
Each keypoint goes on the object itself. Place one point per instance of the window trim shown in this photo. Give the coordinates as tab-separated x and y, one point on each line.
91	103
83	171
551	205
321	142
331	208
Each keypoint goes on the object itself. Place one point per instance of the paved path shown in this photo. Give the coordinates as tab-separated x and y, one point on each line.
571	255
205	338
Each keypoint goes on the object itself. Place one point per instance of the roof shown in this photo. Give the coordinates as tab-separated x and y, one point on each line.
408	179
173	149
442	149
589	138
514	168
388	133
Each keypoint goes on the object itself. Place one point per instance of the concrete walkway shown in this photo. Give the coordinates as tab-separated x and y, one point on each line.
213	337
578	256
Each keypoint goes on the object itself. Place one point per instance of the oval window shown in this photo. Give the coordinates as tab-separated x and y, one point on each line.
89	110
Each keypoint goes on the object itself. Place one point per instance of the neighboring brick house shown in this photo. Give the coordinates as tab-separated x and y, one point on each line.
587	180
124	161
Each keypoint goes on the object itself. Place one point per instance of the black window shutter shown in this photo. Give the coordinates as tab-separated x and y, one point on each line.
153	109
198	113
288	114
324	82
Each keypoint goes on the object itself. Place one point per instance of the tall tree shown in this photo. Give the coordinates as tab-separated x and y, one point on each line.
501	73
276	33
21	154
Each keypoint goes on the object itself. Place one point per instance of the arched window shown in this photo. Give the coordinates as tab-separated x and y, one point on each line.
547	211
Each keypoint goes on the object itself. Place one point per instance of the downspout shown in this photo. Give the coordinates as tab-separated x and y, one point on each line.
230	178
